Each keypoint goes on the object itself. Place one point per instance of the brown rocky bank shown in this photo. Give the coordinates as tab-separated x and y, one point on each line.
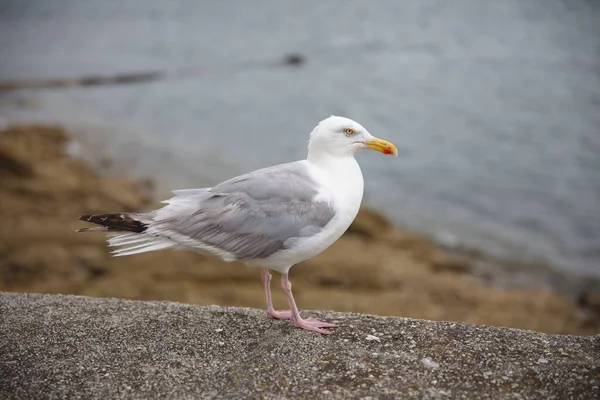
374	268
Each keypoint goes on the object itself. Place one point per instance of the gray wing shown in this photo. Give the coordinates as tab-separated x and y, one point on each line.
248	217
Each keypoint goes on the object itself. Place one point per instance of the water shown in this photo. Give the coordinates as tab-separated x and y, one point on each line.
495	106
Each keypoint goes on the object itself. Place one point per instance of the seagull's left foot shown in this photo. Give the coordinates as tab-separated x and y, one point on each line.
271	313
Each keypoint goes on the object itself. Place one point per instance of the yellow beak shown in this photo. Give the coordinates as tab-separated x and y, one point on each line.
382	146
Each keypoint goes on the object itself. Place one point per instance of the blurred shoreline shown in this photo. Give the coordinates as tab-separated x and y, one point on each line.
375	268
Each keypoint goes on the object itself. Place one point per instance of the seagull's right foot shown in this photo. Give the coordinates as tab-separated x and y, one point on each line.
279	314
314	325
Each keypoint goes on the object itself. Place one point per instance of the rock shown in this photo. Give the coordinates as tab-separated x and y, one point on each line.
57	347
442	262
10	165
369	224
294	59
92	80
591	300
33	263
429	363
372	337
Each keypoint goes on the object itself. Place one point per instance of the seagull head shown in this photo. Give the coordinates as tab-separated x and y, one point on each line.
340	136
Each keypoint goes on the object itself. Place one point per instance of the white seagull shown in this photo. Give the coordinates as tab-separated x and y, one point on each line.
271	218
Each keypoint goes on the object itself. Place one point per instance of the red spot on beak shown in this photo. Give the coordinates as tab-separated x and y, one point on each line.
387	151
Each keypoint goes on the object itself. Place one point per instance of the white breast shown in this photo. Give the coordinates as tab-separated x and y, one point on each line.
342	184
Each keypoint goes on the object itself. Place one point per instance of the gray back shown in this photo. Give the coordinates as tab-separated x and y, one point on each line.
251	216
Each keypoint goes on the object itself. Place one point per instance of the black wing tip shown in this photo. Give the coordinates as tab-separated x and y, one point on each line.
116	222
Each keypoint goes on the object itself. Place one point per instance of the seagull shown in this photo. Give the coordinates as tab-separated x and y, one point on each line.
271	218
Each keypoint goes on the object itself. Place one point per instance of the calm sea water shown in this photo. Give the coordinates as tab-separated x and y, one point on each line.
495	106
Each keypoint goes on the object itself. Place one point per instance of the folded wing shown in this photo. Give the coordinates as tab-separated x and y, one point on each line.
248	217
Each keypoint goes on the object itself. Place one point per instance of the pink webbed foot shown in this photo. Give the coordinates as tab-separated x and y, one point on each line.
320	324
309	324
314	325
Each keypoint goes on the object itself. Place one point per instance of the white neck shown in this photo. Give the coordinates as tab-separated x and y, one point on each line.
330	162
342	173
317	155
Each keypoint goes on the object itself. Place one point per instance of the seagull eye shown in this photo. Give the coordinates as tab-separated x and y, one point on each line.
349	131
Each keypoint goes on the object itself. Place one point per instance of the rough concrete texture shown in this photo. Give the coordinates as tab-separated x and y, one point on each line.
59	347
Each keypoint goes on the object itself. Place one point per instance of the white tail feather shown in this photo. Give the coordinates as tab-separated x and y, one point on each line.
127	239
141	244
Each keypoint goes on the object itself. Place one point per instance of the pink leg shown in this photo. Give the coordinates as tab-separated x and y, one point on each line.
310	324
265	277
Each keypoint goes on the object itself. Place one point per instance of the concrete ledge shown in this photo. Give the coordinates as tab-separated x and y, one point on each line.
58	347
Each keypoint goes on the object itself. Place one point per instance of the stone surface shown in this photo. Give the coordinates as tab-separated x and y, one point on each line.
57	347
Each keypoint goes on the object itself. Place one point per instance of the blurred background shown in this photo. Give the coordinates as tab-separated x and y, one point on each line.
491	214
